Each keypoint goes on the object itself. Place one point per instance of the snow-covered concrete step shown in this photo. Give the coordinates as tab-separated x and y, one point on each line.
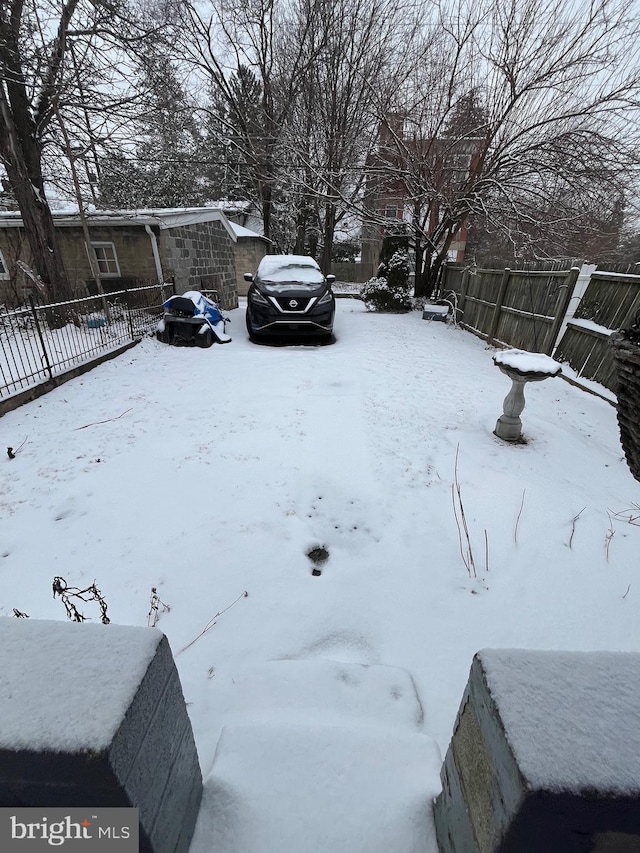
310	788
320	691
320	755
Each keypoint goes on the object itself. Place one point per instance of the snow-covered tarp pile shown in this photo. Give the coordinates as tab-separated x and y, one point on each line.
321	705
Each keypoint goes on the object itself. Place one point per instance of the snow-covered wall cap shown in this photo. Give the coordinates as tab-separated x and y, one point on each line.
528	362
66	686
572	719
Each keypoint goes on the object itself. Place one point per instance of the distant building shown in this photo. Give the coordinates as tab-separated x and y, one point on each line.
389	196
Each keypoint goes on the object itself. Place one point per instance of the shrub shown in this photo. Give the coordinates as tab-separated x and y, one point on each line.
397	272
379	295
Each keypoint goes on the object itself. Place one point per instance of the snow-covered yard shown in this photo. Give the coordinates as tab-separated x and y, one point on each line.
322	705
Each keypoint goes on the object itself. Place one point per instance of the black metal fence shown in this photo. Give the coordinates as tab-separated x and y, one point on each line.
38	342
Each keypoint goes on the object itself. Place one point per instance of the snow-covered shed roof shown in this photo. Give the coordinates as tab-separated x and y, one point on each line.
241	231
162	217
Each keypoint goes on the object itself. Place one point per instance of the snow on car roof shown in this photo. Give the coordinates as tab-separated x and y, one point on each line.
289	268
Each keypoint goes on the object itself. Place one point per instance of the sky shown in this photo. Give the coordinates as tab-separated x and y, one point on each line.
322	705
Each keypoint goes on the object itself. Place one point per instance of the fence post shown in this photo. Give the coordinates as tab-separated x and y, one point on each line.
129	317
502	289
442	283
45	355
562	306
464	285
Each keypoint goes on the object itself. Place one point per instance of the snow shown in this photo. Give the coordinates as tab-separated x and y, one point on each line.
527	362
591	326
38	659
578	707
241	231
209	472
317	787
284	268
436	309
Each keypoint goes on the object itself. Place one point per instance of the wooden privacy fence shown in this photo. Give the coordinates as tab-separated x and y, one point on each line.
610	302
566	313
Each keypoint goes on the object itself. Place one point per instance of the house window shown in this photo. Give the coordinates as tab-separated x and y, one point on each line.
105	254
4	269
391	211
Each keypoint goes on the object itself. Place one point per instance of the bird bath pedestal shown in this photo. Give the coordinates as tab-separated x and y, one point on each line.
521	367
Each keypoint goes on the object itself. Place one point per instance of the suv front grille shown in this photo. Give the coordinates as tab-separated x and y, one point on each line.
293	304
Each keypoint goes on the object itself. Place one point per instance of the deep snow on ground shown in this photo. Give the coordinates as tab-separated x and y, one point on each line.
207	473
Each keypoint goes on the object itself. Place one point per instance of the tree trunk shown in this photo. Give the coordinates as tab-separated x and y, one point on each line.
265	196
22	157
329	231
39	231
424	275
418	288
302	224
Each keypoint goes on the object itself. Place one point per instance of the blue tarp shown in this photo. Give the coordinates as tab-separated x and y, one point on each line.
204	307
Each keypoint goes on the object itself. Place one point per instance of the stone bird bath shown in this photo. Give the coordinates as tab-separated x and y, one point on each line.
521	367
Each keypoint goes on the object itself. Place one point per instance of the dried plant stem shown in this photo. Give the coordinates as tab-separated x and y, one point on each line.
11	452
515	530
573	524
609	536
154	613
486	551
212	622
631	515
108	420
627	592
91	593
466	552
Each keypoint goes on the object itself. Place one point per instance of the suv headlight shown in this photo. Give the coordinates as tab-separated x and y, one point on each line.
328	296
258	298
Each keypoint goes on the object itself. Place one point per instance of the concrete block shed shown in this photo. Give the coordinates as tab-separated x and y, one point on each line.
193	247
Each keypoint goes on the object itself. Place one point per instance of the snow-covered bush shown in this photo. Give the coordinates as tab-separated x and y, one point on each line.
378	295
389	290
397	270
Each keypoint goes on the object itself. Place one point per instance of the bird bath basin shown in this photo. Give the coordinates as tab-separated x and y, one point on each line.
521	367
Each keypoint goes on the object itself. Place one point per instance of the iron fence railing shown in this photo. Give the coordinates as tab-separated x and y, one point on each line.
38	342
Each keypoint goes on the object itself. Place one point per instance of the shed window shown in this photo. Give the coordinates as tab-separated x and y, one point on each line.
106	257
4	270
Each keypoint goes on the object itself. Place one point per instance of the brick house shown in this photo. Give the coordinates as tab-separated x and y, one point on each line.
196	247
388	198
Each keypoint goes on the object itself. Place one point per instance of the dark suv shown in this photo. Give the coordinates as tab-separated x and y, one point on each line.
290	296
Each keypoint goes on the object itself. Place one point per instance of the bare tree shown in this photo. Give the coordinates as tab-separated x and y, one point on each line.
266	43
360	51
512	104
30	80
59	59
